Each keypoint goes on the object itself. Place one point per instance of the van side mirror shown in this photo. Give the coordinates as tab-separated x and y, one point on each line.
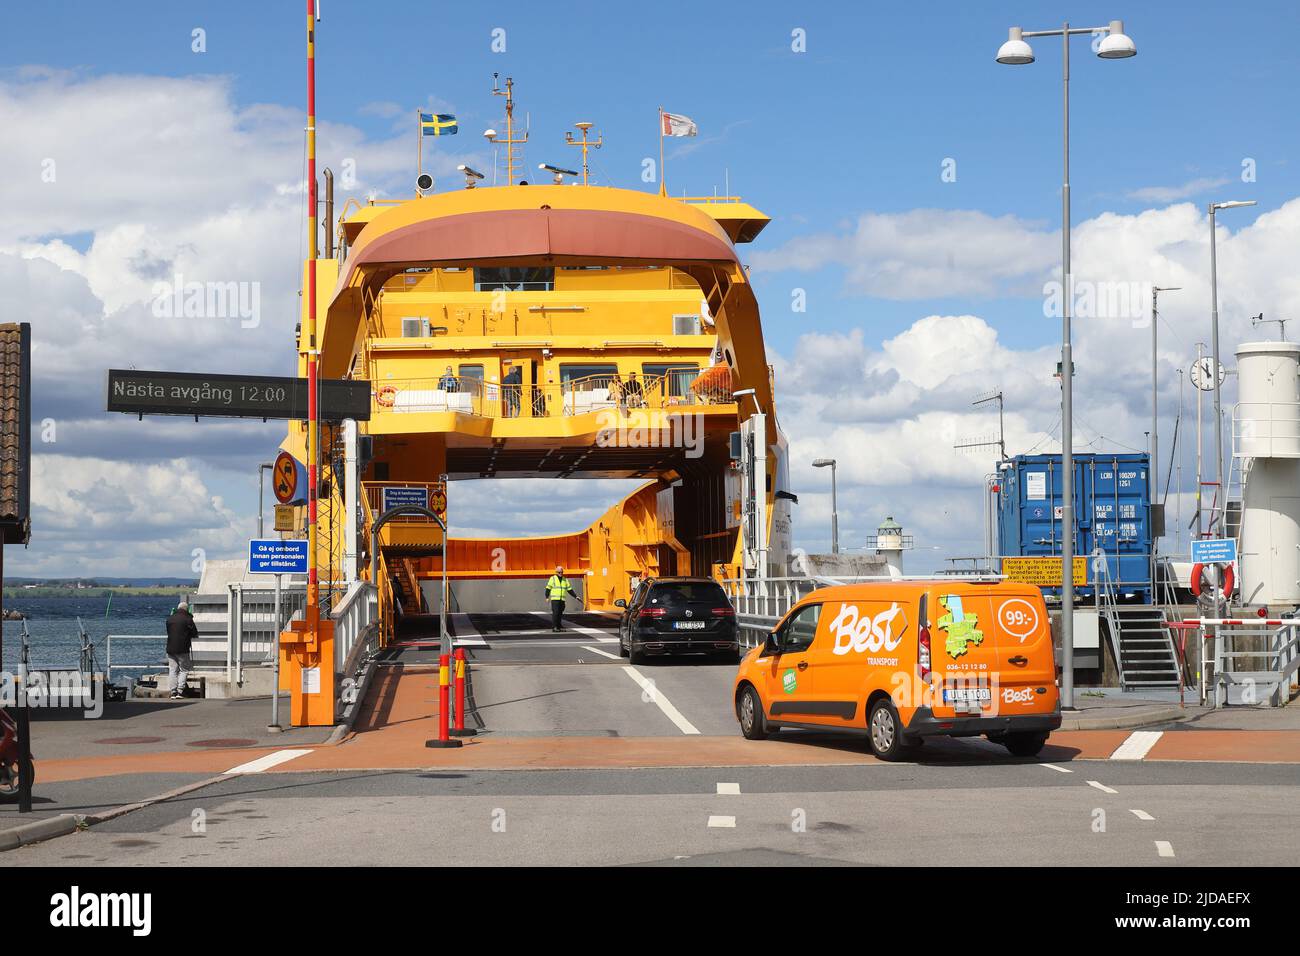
620	603
773	643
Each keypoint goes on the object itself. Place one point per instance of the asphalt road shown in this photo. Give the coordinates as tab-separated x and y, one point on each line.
881	814
966	804
529	681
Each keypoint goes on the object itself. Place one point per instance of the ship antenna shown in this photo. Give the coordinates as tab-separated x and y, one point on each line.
585	143
510	142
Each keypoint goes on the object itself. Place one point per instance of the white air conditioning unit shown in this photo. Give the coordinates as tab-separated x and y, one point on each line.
415	327
686	325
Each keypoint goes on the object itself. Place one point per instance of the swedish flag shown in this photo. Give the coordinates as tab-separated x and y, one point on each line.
438	124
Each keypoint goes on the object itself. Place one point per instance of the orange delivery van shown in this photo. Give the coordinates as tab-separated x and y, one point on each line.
904	660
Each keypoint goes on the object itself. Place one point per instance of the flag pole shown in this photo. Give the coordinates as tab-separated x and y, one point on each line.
419	150
663	181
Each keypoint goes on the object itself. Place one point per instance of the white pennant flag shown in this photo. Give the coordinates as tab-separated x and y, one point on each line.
675	125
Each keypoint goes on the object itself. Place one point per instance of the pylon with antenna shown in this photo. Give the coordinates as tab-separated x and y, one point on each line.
511	141
585	143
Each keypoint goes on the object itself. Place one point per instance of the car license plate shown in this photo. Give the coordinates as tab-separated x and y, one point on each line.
967	695
688	625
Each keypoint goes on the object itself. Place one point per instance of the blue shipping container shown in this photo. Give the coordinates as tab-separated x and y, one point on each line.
1112	516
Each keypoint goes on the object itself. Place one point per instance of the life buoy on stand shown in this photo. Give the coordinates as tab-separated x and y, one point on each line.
1198	574
386	396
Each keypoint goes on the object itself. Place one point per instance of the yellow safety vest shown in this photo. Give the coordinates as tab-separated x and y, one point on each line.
556	587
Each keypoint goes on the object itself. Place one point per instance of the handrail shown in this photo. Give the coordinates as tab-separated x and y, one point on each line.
468	395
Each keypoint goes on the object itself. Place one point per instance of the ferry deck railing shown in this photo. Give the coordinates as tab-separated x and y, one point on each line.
467	395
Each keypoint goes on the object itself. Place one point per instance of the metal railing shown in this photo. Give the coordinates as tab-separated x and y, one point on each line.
1266	429
760	603
1277	644
467	395
253	632
358	609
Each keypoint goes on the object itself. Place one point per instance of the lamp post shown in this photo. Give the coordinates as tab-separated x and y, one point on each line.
262	469
1016	52
1221	497
835	514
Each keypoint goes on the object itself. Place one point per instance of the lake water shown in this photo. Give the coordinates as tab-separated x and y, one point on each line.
56	642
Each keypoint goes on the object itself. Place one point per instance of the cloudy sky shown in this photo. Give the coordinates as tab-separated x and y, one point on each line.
913	182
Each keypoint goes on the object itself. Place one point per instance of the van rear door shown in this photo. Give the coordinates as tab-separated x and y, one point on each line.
993	651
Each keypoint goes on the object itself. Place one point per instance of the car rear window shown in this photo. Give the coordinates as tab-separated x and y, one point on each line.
694	592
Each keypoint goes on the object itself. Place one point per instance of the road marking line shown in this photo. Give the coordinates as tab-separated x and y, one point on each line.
728	788
1164	848
731	822
671	712
267	762
472	637
597	650
1142	815
1101	786
1138	745
604	637
1052	766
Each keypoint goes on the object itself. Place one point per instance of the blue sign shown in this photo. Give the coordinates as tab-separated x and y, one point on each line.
1214	551
398	497
273	556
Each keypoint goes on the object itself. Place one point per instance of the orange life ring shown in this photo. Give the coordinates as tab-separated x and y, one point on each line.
1198	572
387	396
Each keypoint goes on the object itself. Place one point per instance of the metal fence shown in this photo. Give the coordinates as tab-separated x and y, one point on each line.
1251	655
760	603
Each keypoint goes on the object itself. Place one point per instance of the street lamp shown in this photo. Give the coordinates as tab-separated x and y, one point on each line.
262	469
1016	52
835	515
1221	498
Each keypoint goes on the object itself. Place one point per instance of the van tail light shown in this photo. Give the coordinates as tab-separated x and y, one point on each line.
724	611
652	612
923	652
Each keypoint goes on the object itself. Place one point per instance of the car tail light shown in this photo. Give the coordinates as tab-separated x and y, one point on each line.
724	611
923	652
652	612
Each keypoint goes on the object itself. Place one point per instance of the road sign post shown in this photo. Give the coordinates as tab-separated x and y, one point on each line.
307	653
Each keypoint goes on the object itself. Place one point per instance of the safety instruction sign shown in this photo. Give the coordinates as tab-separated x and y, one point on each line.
1044	572
1214	551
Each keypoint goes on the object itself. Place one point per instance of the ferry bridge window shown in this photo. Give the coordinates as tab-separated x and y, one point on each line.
514	279
472	371
677	377
588	376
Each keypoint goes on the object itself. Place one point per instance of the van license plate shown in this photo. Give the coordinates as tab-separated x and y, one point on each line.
971	695
688	625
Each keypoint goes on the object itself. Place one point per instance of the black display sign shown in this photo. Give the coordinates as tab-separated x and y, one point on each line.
233	396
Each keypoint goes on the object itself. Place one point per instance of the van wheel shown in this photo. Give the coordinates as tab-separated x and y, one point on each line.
749	711
886	732
1024	744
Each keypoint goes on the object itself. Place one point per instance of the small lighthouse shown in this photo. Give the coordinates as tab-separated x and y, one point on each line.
890	543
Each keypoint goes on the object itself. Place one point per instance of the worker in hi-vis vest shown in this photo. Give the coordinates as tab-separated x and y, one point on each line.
557	588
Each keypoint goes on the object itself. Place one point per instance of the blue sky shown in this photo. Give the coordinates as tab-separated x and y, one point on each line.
856	129
863	119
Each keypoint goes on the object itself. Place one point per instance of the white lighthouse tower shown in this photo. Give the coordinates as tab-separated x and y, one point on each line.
889	542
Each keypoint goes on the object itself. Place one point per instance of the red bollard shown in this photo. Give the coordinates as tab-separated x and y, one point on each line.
459	730
444	706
